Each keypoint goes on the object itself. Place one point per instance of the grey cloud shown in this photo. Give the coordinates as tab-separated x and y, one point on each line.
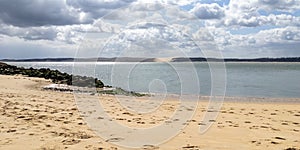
147	6
208	11
15	48
281	20
284	5
270	49
254	20
203	35
251	41
40	34
283	49
280	35
279	46
97	9
279	42
240	21
246	13
29	33
149	39
290	35
67	34
38	13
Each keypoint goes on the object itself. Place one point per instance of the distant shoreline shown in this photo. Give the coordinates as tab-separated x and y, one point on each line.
135	59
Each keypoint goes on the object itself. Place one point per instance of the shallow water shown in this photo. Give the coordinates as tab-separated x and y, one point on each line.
242	79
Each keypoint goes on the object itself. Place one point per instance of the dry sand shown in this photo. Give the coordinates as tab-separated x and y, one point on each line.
32	118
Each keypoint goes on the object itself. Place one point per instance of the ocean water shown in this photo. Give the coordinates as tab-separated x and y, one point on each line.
235	79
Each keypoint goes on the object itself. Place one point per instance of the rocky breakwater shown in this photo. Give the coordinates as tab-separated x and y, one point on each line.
55	76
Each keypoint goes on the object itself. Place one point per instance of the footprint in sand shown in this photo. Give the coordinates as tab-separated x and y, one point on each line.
275	129
11	130
201	124
256	142
191	147
70	141
292	148
114	140
150	147
279	138
273	142
296	130
265	127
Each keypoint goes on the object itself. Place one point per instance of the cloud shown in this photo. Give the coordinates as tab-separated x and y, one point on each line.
30	33
170	2
283	5
149	40
281	20
97	9
38	13
263	27
279	35
140	6
13	47
266	43
246	13
274	42
68	34
208	11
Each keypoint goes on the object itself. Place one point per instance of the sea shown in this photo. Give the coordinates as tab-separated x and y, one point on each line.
242	79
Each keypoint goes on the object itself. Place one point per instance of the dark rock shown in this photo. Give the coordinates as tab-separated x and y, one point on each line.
54	75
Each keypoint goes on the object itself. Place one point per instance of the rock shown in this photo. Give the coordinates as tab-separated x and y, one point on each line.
55	76
2	64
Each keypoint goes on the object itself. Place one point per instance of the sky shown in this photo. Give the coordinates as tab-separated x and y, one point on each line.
162	28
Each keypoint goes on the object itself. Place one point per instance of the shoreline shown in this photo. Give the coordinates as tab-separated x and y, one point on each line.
162	59
276	89
243	99
113	62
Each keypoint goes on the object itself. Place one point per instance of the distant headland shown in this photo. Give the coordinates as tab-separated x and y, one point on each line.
140	59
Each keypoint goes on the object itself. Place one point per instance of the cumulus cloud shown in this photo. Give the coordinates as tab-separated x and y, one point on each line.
208	11
281	20
279	35
203	35
150	40
266	43
246	13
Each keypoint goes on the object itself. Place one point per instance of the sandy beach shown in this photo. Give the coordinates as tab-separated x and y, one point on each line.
33	118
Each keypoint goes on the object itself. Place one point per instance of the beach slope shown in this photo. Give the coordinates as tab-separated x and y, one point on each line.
34	118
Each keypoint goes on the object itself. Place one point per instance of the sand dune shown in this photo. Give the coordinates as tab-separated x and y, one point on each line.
33	118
